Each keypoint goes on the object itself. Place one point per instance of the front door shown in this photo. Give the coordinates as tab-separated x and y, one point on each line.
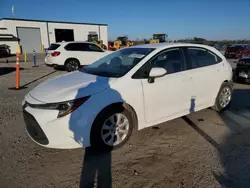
170	95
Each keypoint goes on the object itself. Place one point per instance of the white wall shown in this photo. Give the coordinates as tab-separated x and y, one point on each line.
11	26
104	34
12	44
2	26
80	31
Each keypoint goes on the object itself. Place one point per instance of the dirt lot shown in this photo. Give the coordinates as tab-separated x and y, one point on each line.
204	149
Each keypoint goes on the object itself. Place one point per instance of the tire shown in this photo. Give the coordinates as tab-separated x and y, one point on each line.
99	129
218	106
72	65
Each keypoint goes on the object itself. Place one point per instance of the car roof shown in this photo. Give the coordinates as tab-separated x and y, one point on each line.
169	45
72	42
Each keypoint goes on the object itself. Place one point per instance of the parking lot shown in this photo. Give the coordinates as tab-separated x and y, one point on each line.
203	149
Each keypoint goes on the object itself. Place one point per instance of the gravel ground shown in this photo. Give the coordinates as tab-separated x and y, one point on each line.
204	149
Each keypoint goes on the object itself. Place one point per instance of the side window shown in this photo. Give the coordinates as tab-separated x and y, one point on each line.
83	47
199	57
76	47
94	48
171	60
70	47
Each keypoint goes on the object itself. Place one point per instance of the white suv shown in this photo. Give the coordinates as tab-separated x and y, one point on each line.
72	55
130	89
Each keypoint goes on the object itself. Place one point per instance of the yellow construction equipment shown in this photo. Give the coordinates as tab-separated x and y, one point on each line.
94	38
121	42
125	42
115	45
158	38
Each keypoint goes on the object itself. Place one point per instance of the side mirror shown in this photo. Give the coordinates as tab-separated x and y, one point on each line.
156	72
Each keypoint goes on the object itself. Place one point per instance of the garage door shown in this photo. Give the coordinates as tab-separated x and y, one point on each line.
30	39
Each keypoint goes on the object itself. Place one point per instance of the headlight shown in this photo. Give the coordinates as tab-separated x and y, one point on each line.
64	108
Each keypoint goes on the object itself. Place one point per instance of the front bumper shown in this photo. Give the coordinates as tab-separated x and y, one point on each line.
68	132
34	130
48	131
242	71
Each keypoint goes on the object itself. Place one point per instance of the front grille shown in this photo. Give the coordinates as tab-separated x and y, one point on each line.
34	129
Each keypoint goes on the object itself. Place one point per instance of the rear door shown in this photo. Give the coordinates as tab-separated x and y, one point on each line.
86	53
207	70
79	51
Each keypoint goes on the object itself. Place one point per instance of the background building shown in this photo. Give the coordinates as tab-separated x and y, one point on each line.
36	34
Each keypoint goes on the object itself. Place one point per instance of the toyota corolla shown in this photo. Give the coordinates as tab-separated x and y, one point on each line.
133	88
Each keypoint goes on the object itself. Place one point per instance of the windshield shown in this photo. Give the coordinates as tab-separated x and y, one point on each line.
117	63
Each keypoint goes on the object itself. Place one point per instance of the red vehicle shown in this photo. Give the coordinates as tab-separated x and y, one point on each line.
232	50
243	52
110	46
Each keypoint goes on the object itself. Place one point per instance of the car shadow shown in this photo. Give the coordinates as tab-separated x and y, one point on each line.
96	167
7	70
234	151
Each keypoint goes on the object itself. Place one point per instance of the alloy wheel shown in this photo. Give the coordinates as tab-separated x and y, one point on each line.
72	65
115	129
225	97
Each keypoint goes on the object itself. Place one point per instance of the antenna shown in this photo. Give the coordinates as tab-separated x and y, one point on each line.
13	11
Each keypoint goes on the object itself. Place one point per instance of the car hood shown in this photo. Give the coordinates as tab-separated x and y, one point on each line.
70	86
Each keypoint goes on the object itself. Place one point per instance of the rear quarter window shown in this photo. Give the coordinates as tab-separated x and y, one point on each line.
54	46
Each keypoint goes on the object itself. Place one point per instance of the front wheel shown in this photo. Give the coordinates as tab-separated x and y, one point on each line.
111	129
224	97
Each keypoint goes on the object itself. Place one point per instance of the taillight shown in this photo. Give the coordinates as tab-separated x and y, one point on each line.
55	53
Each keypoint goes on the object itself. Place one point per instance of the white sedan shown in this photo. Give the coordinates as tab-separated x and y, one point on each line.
72	55
131	89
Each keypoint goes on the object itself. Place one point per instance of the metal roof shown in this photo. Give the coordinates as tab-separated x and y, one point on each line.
30	20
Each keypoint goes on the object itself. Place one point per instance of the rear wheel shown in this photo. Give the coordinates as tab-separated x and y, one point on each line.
111	129
72	65
224	97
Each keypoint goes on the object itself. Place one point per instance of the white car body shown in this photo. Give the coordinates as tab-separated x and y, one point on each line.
167	98
85	57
